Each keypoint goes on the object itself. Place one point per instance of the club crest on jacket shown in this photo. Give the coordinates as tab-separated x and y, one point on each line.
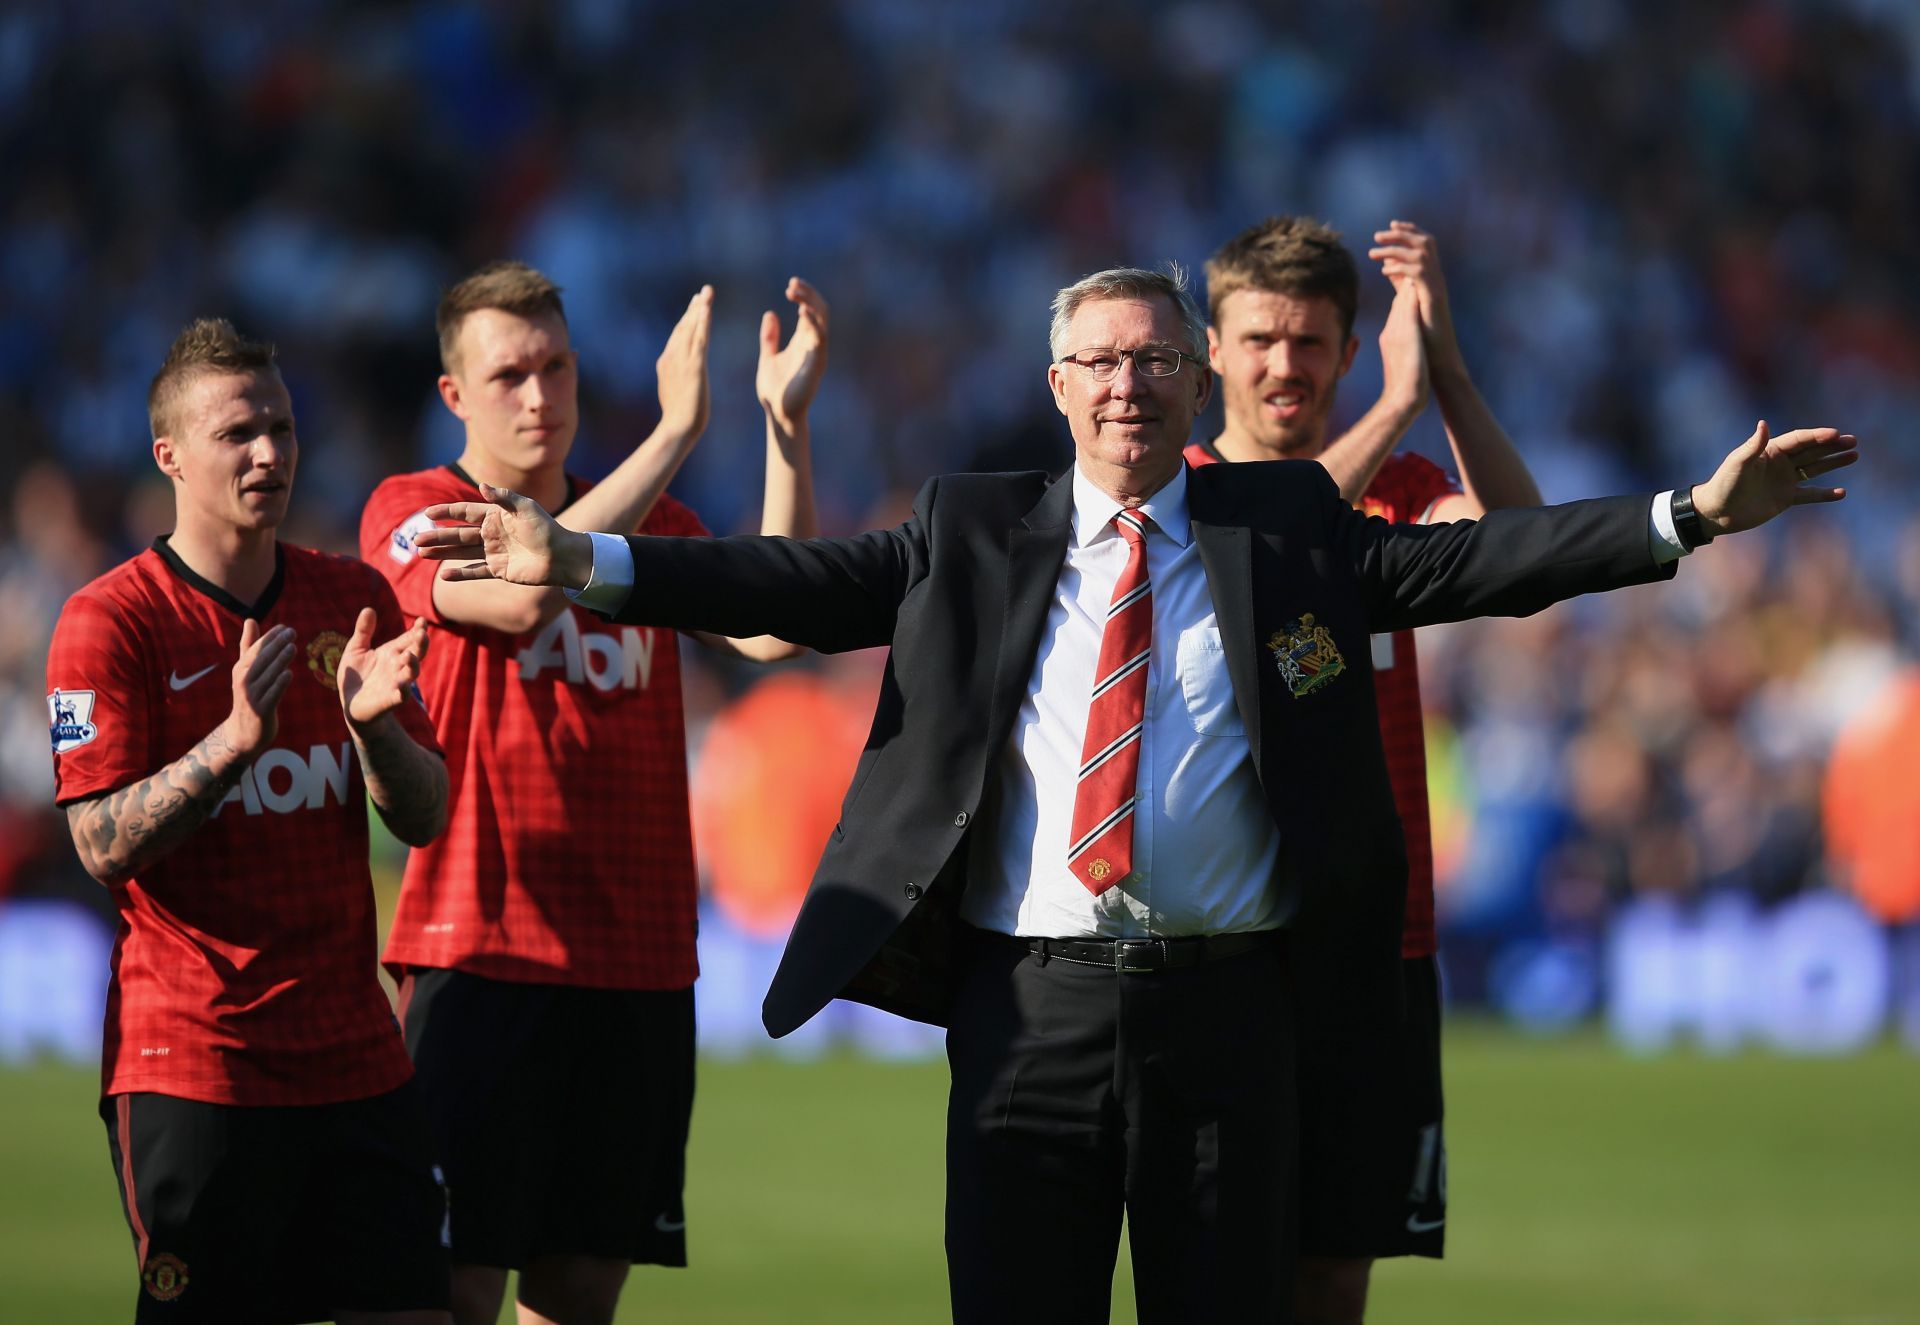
1306	655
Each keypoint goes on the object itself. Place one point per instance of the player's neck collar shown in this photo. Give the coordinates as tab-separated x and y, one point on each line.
202	584
459	471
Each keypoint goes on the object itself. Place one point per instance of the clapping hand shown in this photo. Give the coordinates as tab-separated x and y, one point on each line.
681	369
374	681
787	378
1410	258
1403	353
260	677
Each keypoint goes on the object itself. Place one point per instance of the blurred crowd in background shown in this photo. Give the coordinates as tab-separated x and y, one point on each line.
1658	223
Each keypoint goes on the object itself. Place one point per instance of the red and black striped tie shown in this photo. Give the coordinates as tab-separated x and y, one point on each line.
1102	851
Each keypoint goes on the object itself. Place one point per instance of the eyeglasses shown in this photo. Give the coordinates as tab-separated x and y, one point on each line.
1149	360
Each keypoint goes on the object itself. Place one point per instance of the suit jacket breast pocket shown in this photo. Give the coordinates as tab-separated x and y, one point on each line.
1205	687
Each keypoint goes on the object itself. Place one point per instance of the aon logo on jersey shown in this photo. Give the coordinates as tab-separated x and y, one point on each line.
280	781
604	661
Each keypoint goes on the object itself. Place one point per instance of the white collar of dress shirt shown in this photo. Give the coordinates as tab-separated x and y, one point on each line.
1093	509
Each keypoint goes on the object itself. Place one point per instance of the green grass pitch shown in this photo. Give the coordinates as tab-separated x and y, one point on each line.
1588	1188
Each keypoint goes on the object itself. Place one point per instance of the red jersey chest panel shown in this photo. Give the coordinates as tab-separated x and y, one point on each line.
1403	492
568	857
244	966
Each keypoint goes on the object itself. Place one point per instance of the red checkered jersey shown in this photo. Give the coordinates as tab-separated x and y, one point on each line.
244	970
568	858
1404	492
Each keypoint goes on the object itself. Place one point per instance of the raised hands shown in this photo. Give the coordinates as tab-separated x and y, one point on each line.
1404	374
1764	475
260	678
1410	258
787	378
681	368
374	681
518	542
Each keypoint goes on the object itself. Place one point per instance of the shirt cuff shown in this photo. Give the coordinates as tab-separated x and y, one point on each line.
611	583
1662	537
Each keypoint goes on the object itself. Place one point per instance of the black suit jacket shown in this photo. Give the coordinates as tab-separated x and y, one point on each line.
961	591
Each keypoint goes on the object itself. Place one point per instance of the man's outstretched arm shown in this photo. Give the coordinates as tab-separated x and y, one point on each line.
1519	560
829	594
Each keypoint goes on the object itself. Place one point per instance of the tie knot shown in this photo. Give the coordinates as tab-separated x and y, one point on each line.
1132	525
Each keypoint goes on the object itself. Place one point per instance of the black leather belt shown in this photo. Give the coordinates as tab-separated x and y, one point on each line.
1135	955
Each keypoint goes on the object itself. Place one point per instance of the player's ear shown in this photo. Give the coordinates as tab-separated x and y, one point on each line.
1346	359
1213	349
164	457
450	395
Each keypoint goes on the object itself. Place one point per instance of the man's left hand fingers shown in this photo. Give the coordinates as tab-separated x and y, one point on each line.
436	543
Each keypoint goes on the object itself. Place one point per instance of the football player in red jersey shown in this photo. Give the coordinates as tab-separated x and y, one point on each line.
545	943
220	717
1282	296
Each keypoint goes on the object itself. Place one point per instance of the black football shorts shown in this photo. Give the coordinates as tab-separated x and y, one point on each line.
560	1114
272	1216
1373	1152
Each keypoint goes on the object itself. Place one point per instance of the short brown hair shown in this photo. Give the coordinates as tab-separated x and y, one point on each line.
511	287
205	345
1290	255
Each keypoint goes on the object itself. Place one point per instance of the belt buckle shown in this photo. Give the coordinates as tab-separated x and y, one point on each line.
1121	947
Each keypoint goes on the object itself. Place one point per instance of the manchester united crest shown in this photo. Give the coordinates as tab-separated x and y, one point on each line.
165	1276
323	657
1306	655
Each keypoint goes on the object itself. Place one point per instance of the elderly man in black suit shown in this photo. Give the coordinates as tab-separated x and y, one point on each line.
1123	815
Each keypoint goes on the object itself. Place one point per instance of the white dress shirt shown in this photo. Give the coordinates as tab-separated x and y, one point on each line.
1204	843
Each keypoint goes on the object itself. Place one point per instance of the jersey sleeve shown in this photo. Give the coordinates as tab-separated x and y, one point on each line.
394	514
673	519
1421	485
98	702
392	621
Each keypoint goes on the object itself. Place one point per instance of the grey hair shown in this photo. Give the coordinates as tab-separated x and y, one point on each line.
1131	283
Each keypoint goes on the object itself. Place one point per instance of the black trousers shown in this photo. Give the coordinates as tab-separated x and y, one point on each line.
1080	1093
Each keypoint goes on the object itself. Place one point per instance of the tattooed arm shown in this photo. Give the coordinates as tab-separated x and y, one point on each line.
120	833
408	784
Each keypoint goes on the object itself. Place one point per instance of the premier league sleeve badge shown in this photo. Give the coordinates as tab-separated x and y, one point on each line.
71	712
1306	655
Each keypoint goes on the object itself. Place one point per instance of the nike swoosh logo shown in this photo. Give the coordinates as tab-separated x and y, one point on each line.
666	1225
1415	1224
179	682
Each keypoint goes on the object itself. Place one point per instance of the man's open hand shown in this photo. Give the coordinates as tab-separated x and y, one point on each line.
1764	475
517	542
